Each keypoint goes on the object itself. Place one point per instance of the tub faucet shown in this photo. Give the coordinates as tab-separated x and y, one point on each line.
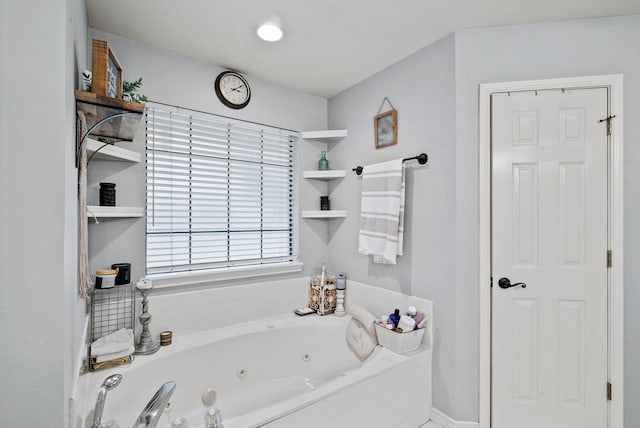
108	384
153	410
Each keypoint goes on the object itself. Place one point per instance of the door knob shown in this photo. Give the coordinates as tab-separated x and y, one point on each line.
506	283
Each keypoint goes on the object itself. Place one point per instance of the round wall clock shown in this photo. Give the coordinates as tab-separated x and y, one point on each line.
233	89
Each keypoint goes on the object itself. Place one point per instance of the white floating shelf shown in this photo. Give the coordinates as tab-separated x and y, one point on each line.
328	136
111	152
324	214
325	175
114	212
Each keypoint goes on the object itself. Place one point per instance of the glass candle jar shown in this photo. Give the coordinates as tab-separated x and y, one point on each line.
108	194
325	205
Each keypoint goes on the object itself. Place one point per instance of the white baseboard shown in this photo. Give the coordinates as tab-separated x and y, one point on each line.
445	421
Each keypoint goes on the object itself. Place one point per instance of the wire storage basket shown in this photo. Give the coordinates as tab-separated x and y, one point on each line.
111	310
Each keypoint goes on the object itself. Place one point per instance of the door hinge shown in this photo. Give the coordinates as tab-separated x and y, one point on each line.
608	391
609	259
608	120
491	284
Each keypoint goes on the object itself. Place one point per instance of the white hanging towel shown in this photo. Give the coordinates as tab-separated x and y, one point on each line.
382	211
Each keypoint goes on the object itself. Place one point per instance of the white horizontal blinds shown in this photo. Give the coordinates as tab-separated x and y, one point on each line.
219	193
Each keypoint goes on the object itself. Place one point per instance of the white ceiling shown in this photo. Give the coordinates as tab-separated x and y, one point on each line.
328	45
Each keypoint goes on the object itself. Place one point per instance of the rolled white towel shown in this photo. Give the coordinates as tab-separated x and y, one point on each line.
365	317
116	342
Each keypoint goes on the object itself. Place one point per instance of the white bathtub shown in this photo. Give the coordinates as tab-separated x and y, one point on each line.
283	371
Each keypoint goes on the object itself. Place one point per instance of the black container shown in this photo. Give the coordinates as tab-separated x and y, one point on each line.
325	205
107	194
124	273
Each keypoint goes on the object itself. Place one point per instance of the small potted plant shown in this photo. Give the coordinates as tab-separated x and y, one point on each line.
130	91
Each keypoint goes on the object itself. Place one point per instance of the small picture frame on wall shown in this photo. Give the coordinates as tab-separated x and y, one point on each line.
385	127
106	70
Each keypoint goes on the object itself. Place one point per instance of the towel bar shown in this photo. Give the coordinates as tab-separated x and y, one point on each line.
422	158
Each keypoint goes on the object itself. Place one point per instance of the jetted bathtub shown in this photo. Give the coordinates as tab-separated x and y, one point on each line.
285	371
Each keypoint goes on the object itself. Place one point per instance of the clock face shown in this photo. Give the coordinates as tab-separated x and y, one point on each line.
233	89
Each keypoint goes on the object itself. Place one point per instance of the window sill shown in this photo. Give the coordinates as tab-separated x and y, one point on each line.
178	279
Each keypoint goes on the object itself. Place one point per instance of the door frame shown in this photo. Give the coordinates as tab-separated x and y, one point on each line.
615	309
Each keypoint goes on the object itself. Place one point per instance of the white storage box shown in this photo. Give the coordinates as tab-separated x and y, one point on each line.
400	343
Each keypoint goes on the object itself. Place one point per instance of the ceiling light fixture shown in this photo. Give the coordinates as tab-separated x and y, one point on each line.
269	32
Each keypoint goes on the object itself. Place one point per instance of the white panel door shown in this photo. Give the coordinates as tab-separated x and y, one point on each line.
549	231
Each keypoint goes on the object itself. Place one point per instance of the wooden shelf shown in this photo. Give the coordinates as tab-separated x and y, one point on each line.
114	212
327	136
91	98
111	153
324	214
325	174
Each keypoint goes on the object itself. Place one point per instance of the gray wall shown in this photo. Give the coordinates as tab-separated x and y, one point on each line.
590	47
41	316
422	89
437	100
75	307
177	80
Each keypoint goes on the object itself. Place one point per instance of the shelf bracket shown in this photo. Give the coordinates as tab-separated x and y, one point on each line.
83	139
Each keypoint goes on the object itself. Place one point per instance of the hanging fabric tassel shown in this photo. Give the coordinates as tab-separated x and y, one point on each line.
83	232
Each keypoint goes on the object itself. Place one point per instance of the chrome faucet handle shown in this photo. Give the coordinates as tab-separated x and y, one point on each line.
153	410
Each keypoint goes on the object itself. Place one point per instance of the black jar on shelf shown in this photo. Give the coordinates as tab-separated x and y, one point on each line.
107	194
325	204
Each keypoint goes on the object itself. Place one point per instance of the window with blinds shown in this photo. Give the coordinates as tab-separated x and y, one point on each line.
219	193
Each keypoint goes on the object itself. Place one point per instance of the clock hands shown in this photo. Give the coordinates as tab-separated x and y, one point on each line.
237	88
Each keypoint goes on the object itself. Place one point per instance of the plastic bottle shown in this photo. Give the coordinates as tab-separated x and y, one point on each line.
419	318
395	317
411	311
406	323
383	320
